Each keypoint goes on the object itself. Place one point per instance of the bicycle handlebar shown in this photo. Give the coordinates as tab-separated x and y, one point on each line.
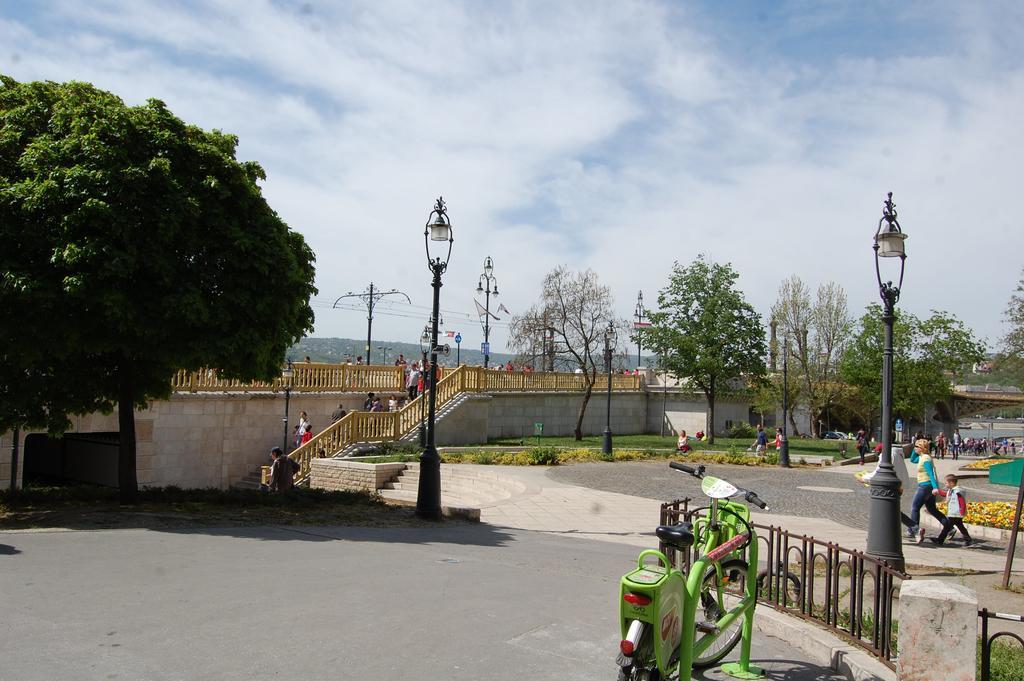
752	498
695	472
698	472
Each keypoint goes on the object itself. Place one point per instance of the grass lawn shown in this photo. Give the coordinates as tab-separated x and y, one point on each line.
93	507
797	446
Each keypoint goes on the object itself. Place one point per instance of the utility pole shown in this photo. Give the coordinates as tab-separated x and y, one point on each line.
370	298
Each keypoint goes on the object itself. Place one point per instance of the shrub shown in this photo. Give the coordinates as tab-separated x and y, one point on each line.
543	456
742	430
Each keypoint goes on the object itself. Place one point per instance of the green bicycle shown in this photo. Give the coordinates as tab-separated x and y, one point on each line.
658	608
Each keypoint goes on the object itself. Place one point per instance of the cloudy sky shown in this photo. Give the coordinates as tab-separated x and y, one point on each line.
619	136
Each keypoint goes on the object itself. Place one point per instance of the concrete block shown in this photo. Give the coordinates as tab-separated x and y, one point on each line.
938	631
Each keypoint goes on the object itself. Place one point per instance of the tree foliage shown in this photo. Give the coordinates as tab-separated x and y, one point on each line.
574	311
817	332
706	331
926	355
1013	341
134	245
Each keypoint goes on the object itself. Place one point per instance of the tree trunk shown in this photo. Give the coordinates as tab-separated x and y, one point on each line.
792	424
710	419
126	476
583	410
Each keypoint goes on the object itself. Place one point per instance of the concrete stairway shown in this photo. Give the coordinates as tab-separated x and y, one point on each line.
461	485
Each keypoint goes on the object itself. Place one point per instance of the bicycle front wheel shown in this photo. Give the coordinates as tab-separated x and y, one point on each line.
712	608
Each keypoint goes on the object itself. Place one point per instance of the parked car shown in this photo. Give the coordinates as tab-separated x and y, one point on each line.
835	435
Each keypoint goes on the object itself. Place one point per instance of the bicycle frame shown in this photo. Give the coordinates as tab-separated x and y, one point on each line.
723	536
663	598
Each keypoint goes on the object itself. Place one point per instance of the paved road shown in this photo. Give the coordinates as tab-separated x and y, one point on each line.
467	602
805	492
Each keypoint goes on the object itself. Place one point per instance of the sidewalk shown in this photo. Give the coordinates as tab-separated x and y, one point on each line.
557	508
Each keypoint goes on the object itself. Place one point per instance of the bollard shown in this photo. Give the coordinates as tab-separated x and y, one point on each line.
938	636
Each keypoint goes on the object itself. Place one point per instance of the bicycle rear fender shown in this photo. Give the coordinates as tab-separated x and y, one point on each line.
664	588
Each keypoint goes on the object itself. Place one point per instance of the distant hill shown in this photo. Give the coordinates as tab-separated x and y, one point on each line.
341	350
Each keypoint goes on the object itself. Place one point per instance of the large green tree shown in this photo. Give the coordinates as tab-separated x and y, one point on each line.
706	331
134	245
927	354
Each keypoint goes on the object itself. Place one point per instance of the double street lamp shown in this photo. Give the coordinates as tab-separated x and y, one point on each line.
609	345
424	349
488	285
428	497
884	530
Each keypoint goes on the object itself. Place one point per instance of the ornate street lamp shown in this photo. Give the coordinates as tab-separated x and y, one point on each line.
609	345
489	285
286	381
884	530
428	497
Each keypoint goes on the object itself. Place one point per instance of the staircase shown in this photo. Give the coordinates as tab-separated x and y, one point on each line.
461	486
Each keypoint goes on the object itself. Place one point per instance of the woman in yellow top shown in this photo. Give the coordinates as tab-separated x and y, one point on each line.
927	485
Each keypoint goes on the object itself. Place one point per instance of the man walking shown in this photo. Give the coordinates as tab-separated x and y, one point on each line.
282	471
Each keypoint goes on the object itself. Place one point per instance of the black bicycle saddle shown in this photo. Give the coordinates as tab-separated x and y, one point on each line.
680	536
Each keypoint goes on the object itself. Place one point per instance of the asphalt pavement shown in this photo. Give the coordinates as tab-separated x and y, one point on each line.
452	602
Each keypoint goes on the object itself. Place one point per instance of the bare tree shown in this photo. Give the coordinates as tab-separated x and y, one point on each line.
572	315
818	334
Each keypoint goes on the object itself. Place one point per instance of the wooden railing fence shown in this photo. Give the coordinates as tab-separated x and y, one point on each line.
361	426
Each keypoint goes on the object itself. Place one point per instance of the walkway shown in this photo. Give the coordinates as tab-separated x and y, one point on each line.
600	510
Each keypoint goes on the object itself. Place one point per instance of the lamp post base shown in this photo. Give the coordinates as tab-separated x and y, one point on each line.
884	541
428	495
784	453
606	447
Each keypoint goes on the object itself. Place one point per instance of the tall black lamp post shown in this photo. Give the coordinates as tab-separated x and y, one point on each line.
286	380
639	324
884	529
428	497
784	444
489	285
609	345
424	348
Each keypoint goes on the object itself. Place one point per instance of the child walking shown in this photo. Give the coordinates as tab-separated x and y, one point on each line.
956	508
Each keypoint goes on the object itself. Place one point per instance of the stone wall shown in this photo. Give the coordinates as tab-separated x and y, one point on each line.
342	475
205	439
685	410
214	440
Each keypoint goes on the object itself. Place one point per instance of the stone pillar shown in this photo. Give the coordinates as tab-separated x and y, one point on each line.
938	635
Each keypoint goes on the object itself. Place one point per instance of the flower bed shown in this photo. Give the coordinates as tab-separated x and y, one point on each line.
552	456
984	464
997	514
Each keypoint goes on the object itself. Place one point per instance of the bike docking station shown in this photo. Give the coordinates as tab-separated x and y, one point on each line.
659	604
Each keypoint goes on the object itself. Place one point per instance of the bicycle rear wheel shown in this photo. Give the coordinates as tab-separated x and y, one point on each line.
710	610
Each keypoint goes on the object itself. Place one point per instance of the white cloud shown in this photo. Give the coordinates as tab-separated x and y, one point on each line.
617	136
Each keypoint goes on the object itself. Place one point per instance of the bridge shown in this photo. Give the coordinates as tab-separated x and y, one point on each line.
968	400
